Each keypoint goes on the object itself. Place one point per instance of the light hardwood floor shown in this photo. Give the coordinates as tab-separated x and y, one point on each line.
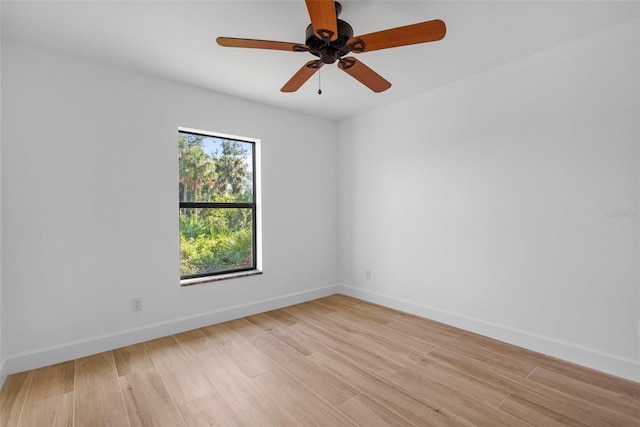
334	361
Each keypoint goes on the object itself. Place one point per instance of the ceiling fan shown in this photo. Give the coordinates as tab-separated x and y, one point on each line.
331	39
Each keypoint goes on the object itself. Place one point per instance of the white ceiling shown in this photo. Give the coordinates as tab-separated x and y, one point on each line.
176	40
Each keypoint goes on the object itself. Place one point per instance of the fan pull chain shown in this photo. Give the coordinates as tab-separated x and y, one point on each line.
319	82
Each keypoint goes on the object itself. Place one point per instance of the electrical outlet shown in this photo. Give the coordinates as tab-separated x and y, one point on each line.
367	274
136	304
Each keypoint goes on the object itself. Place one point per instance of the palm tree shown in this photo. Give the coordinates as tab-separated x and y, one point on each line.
231	170
196	168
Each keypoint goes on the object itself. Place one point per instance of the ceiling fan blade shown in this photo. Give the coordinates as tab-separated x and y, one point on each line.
261	44
303	74
401	36
323	18
363	74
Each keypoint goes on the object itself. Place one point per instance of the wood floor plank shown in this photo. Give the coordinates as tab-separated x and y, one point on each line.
476	368
13	396
366	412
536	415
148	401
329	323
51	381
461	382
583	411
377	342
283	317
448	397
375	362
286	334
131	359
221	333
387	350
251	361
210	410
425	332
182	377
626	388
602	397
411	319
577	409
313	307
380	332
244	328
306	407
302	312
498	347
368	316
621	386
252	406
406	317
428	324
345	299
194	341
408	405
332	389
54	411
583	374
99	400
481	353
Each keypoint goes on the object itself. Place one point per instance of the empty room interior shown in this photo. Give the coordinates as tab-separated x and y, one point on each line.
447	235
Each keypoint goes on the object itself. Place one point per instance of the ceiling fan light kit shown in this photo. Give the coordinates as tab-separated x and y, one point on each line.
330	39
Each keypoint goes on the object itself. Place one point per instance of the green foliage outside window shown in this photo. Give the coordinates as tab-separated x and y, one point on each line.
215	238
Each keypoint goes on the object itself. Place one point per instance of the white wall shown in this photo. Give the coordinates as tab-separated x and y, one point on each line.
507	203
89	194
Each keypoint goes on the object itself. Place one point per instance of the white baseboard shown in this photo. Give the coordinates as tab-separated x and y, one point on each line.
3	375
73	350
612	364
609	363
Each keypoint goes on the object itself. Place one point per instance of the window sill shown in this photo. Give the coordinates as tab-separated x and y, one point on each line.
216	278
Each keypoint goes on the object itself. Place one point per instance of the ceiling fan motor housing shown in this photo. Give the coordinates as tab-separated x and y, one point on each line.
329	51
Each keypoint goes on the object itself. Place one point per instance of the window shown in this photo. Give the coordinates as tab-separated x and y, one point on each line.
217	203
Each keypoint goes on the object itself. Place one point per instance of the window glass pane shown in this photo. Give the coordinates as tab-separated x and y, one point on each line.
214	169
213	240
